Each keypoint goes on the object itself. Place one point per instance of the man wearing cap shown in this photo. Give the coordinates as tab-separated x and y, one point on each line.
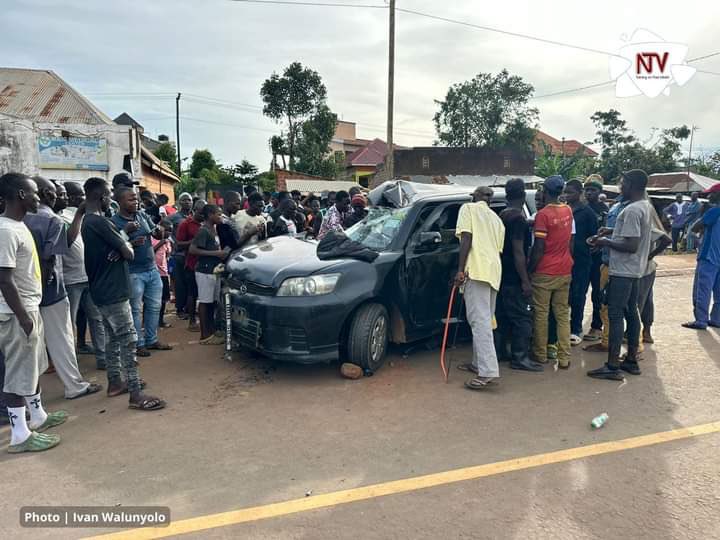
707	274
481	235
551	265
630	246
593	190
359	212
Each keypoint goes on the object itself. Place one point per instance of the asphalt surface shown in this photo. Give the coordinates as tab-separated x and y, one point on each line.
252	432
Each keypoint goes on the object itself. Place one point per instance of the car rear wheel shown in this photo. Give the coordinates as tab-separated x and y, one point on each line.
368	337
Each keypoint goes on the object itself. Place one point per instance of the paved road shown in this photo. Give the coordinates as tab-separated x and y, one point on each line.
252	433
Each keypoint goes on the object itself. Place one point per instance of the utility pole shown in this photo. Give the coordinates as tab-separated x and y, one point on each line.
689	161
177	129
391	93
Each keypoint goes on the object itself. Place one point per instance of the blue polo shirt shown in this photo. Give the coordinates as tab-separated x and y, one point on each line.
710	250
144	260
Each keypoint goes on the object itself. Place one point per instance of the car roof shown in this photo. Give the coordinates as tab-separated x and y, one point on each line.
401	193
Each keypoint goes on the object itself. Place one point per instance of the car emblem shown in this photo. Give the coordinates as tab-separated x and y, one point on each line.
243	289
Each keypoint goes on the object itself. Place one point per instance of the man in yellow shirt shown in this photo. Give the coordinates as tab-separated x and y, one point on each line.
482	235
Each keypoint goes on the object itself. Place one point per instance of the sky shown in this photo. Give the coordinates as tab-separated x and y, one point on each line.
135	56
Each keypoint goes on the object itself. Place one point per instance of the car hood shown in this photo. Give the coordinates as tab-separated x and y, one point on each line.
272	261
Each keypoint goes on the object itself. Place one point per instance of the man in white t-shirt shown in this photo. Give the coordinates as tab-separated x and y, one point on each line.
22	341
251	224
71	209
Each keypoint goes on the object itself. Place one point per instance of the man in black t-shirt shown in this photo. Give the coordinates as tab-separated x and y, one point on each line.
106	254
593	190
513	310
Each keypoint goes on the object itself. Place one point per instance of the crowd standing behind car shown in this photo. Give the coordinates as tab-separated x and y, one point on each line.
120	257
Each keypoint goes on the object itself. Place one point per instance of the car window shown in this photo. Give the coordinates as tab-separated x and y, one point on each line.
442	221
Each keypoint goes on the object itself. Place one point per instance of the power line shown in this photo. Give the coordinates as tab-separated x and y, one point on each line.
704	57
507	32
571	90
708	72
318	4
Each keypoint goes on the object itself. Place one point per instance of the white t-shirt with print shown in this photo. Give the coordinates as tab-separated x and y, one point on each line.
18	252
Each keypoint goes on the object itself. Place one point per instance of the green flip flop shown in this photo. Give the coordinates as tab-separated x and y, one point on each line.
53	419
36	442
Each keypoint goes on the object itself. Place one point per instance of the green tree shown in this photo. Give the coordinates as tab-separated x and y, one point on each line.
245	170
203	165
571	166
487	111
168	153
278	148
707	165
292	98
313	145
267	181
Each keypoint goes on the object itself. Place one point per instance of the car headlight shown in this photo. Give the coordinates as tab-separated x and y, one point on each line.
309	286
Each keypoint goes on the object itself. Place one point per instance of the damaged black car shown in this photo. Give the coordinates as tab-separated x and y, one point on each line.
289	304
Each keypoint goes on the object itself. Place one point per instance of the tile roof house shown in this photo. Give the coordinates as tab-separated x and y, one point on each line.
565	147
363	162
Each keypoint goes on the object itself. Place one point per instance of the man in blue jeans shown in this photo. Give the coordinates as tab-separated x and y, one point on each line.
145	281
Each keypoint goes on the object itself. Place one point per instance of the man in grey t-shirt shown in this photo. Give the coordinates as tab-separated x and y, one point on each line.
629	247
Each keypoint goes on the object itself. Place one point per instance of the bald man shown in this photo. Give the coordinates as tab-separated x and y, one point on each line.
50	236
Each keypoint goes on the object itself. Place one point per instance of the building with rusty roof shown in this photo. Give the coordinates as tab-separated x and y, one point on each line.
48	128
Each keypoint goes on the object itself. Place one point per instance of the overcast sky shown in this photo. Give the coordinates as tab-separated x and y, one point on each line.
224	50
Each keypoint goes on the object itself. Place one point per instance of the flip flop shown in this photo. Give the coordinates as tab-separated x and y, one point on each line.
36	442
478	384
53	419
148	403
92	388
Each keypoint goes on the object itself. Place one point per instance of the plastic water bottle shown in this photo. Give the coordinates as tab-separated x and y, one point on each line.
599	421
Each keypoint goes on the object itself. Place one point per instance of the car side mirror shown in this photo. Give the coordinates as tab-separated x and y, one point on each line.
430	238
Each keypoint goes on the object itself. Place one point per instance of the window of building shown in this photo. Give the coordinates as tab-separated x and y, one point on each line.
425	162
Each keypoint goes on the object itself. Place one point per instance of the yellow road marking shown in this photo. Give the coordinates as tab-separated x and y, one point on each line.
406	485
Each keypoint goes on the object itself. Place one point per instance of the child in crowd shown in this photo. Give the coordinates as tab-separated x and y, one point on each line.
162	245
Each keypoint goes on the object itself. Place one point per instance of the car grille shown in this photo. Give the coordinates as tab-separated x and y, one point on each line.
251	287
298	339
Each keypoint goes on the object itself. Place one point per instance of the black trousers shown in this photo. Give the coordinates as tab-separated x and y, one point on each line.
597	293
181	287
623	306
578	294
165	297
514	316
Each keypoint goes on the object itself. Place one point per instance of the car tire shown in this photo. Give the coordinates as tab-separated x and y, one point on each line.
368	337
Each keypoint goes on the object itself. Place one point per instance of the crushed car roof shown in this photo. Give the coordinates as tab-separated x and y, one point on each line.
401	193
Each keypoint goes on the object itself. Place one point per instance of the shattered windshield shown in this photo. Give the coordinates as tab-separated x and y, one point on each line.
379	228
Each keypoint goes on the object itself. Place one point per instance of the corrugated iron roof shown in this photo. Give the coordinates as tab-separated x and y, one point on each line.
41	96
678	181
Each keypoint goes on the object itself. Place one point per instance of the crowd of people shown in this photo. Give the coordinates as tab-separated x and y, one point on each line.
526	280
106	258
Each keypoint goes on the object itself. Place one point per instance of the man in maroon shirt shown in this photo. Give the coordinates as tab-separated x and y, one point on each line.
185	234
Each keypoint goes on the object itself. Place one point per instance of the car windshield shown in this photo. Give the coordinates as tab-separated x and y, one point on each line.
379	228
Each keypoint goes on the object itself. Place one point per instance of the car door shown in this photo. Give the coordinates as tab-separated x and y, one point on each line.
431	266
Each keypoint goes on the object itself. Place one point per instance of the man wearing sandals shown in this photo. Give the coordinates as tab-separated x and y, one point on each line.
482	235
22	341
106	256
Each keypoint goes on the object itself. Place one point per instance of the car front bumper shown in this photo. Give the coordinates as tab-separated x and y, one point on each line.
304	330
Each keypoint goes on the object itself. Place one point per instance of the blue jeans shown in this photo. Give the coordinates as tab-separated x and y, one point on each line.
707	285
145	302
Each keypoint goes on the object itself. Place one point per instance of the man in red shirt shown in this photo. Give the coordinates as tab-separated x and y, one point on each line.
184	237
551	265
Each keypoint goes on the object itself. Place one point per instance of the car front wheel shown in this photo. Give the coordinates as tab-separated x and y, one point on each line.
368	337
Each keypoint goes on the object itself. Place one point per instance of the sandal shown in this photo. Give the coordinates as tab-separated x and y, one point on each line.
148	403
478	383
468	366
596	347
92	388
